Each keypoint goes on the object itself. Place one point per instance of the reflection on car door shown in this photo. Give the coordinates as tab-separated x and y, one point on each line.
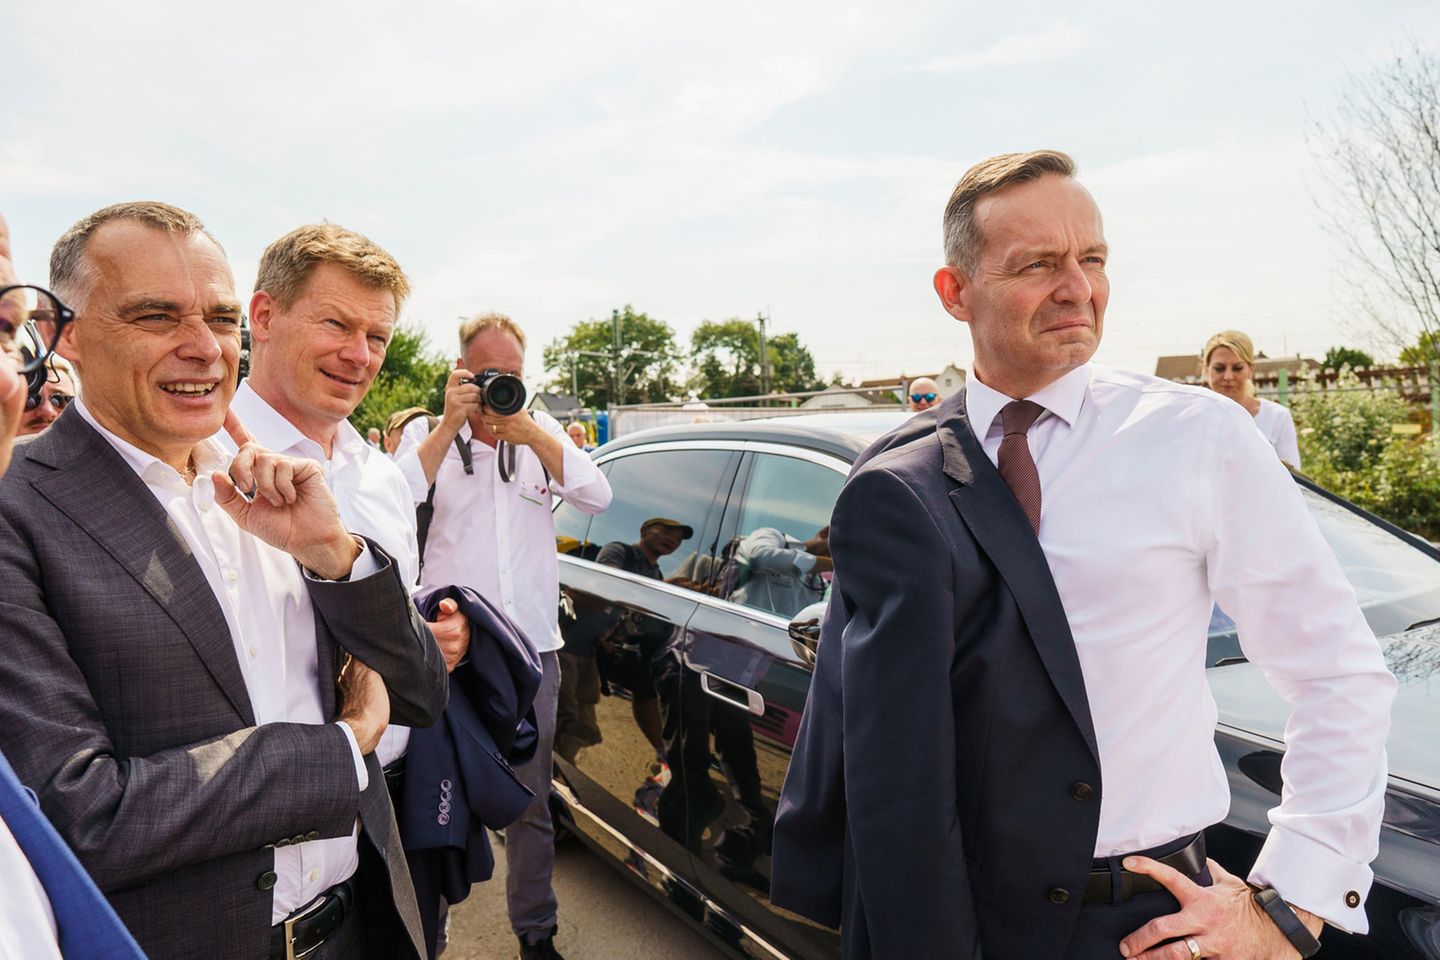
745	683
626	594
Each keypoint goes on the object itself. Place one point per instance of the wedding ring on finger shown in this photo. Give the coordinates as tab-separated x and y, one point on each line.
1195	953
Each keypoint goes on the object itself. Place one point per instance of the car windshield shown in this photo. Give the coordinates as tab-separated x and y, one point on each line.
1396	584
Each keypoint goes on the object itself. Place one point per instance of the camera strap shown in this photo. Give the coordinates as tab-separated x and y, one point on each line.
504	451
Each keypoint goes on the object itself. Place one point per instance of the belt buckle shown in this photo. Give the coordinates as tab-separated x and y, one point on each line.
290	921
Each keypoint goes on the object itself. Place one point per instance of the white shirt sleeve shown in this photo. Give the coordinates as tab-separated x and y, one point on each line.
1297	618
585	487
362	775
407	458
1287	445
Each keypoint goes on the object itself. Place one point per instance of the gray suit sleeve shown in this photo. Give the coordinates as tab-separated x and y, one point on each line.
375	621
129	819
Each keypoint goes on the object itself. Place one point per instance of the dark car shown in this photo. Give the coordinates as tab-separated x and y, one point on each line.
697	650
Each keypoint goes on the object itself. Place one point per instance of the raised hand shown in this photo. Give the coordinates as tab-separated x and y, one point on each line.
284	501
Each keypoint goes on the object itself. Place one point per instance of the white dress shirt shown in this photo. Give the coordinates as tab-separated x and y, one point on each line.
370	492
1157	500
1278	427
261	591
27	922
499	538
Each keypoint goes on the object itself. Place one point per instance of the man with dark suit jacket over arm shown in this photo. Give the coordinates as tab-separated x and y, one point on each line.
1008	747
176	622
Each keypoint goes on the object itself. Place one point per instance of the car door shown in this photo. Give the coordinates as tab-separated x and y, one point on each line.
623	610
746	679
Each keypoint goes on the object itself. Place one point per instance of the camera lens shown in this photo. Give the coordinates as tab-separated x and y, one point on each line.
504	394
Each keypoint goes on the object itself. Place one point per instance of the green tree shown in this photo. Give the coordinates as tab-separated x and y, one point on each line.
412	376
1337	357
1348	447
726	359
649	359
1425	349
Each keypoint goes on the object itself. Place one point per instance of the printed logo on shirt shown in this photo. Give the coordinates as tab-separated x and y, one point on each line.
535	493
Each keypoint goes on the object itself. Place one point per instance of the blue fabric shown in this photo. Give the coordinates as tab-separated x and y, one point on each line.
458	774
88	927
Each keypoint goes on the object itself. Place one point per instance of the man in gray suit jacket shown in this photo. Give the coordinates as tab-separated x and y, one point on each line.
175	629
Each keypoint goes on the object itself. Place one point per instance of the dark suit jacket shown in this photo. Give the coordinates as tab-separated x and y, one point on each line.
124	707
928	810
86	926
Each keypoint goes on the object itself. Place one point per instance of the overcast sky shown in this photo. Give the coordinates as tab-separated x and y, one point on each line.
556	160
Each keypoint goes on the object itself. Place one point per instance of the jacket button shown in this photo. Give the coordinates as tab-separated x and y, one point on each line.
313	835
266	880
283	842
1059	895
1082	791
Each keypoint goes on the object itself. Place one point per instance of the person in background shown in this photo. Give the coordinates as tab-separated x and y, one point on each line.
577	433
493	480
922	394
55	396
1228	361
395	425
372	437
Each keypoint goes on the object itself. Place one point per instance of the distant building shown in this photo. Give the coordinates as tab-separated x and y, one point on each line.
951	381
1186	368
561	406
837	398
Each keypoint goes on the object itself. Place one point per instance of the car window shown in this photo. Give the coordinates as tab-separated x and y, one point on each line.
779	558
660	505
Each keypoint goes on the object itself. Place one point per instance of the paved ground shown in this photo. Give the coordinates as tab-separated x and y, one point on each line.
603	916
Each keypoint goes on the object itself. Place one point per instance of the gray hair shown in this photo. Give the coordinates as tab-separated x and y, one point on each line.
962	232
72	277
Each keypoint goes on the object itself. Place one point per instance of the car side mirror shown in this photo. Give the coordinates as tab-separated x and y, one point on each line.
805	639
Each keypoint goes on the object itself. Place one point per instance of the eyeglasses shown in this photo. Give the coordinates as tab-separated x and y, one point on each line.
42	316
57	400
927	397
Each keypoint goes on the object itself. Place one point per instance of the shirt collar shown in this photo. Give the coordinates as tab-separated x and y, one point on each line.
1063	397
208	455
276	433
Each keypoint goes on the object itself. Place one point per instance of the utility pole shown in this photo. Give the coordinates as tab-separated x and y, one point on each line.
764	357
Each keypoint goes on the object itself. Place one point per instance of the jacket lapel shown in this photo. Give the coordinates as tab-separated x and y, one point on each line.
94	486
1002	531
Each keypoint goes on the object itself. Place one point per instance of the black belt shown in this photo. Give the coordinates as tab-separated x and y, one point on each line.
1100	888
299	934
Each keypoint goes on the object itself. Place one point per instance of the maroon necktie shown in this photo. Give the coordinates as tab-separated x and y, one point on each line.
1016	464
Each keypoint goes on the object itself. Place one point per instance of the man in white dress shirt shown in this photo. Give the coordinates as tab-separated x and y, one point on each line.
1077	524
493	530
175	617
324	310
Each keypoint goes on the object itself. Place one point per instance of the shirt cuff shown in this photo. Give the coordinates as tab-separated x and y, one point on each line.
361	774
365	565
804	562
1313	877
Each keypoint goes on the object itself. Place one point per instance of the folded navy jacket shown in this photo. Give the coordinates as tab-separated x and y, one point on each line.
458	776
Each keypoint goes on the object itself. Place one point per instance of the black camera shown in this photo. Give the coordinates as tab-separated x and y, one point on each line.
503	393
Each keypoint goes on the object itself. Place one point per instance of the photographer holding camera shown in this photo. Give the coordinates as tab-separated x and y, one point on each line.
489	472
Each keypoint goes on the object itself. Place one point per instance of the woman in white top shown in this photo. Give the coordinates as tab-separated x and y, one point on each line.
1229	365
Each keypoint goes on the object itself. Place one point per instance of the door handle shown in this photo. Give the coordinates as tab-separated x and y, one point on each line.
805	639
732	693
